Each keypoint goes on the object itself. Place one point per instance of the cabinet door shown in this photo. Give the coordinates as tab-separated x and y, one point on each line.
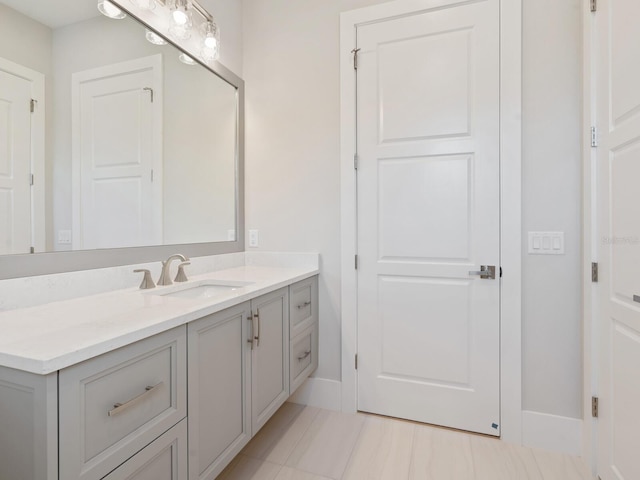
219	390
163	459
270	355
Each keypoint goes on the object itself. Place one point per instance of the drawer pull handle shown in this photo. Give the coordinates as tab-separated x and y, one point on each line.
306	354
121	407
305	304
257	336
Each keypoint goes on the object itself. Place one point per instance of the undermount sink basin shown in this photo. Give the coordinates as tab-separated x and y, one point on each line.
202	289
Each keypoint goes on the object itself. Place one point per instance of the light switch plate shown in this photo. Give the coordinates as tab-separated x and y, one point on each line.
546	243
64	237
253	238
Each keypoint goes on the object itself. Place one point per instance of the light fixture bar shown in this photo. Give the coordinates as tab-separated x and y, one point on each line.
202	11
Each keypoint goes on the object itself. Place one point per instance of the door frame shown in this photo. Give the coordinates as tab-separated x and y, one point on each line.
510	205
153	63
38	149
590	350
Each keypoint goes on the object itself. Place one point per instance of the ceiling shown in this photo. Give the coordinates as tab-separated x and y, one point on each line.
55	13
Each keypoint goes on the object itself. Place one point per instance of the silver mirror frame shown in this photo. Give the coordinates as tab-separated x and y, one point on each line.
27	265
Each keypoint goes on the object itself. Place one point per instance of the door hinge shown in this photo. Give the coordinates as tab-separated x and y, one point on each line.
594	5
594	136
31	179
355	161
32	250
152	176
594	407
32	105
594	272
356	361
356	262
500	272
355	58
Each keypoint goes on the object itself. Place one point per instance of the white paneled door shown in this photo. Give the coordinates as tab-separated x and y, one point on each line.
618	105
429	216
15	164
117	188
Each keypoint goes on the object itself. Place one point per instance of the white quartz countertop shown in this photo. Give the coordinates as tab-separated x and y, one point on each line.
56	335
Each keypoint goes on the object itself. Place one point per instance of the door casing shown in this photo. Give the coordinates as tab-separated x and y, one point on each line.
38	147
511	199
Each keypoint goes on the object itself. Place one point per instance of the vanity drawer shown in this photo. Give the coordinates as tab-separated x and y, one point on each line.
303	305
303	356
164	459
114	405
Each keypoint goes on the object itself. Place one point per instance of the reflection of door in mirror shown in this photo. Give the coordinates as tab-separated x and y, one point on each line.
117	185
17	156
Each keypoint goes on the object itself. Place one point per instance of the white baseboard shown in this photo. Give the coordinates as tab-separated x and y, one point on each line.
552	432
319	392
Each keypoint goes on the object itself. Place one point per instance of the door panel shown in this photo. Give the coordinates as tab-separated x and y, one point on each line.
119	189
618	198
15	164
428	214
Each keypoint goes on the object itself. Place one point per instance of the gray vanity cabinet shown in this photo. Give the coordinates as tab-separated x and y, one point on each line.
238	377
28	425
303	313
219	389
270	356
118	403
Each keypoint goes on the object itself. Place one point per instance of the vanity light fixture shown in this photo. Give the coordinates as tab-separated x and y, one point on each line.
144	4
181	22
154	38
108	9
186	59
210	41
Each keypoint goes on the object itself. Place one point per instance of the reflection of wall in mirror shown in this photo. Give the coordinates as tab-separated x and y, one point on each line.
199	169
199	129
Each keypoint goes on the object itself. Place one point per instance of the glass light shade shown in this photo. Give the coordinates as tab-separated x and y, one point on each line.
210	49
181	22
186	59
154	38
108	9
144	4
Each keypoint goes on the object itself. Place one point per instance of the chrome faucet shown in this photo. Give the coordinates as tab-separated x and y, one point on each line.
165	276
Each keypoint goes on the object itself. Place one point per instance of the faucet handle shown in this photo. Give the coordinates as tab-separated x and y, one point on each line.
181	276
147	281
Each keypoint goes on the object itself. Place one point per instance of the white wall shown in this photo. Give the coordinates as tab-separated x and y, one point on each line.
552	173
291	71
292	180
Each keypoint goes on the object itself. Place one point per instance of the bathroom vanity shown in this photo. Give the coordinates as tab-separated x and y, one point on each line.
166	383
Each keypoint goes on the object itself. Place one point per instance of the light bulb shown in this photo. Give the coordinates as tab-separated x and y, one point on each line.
180	17
108	9
154	38
211	42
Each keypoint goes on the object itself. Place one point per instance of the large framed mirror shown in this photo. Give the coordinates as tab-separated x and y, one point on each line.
116	146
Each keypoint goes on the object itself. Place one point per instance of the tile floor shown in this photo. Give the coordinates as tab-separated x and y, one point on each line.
306	443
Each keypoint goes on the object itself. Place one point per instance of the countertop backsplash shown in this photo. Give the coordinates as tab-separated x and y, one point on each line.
34	291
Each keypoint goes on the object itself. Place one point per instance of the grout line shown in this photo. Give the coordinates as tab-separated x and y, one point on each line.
286	460
353	448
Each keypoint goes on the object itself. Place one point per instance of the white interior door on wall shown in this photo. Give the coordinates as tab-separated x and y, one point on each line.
117	185
429	215
618	199
15	164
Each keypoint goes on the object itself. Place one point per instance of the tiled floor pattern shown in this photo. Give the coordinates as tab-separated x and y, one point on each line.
306	443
